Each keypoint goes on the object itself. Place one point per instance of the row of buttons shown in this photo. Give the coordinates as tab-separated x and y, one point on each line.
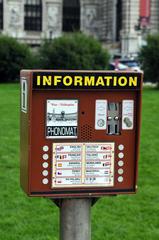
45	165
120	163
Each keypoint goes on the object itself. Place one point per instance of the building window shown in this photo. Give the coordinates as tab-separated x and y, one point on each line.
33	15
119	19
71	15
1	14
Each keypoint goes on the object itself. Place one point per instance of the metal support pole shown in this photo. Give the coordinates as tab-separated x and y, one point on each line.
75	219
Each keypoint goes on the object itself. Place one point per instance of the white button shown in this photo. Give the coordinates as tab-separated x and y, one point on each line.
120	163
120	179
45	165
45	173
121	155
45	181
45	148
121	147
120	171
45	156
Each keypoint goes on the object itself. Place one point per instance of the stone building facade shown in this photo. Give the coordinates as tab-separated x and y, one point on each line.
154	17
114	22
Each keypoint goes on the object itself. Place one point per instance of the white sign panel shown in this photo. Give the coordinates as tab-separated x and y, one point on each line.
61	118
127	114
69	164
101	115
83	165
67	182
24	95
97	180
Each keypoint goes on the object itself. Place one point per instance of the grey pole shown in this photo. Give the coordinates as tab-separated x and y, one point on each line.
75	219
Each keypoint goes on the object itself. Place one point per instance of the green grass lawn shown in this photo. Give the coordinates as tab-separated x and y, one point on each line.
124	217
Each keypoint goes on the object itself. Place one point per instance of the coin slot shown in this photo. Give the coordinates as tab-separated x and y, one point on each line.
108	129
113	118
116	129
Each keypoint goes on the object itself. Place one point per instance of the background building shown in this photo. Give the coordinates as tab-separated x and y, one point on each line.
120	24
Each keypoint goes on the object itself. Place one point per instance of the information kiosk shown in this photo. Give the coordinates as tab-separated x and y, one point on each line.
80	132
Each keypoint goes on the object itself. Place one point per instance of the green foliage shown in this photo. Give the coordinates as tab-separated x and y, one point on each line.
149	58
13	57
126	217
73	51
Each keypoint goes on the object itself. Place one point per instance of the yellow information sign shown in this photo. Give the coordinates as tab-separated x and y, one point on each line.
86	80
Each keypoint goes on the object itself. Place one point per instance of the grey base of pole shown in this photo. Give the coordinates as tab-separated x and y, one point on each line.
75	219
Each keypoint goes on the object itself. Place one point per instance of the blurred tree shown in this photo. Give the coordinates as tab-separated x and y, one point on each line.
149	58
73	51
13	57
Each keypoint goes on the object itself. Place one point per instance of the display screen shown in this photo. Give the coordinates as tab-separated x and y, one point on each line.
61	118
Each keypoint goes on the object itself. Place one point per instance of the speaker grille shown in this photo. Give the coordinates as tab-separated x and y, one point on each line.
86	132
